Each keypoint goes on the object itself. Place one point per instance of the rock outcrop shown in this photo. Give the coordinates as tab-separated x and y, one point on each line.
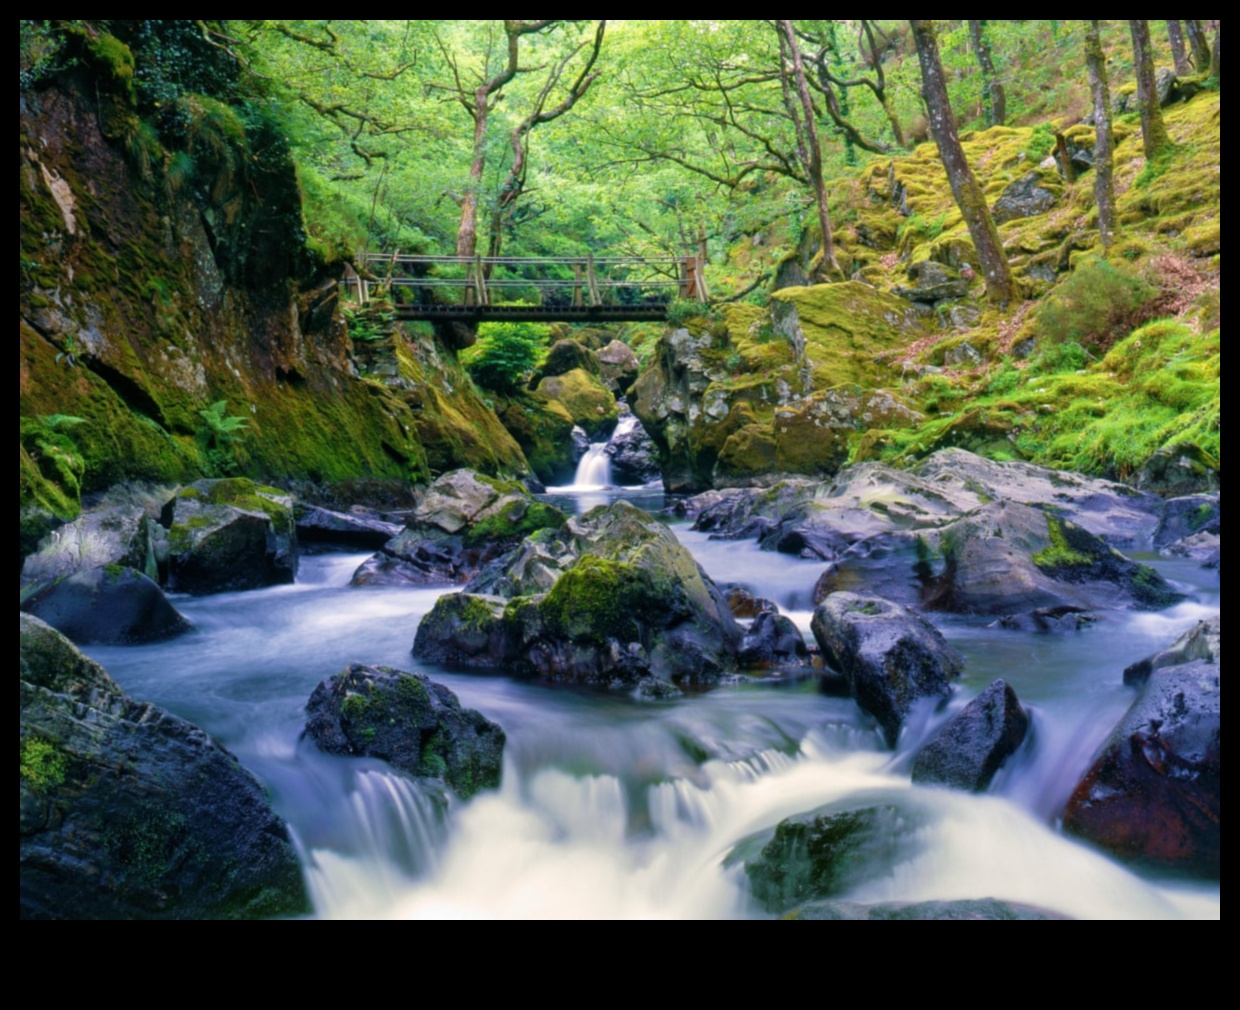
230	535
111	535
409	721
462	523
356	529
968	751
127	812
1154	795
891	659
112	605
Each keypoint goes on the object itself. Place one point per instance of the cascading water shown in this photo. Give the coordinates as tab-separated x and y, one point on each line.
614	808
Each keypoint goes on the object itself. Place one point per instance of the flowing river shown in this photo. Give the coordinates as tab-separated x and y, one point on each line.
617	808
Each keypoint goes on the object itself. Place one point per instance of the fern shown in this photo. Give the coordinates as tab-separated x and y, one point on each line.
222	427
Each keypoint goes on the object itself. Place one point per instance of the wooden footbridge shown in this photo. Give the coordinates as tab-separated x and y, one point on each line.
602	289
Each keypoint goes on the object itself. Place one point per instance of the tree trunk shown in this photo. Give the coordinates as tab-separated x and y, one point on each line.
997	272
1153	130
1214	60
1104	144
467	233
994	97
1201	45
813	149
1179	52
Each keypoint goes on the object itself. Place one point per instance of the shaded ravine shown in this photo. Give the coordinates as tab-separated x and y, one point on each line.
616	808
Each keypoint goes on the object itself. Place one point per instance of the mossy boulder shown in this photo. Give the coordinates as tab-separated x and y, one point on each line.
1154	794
111	605
589	403
613	598
1032	194
824	854
128	812
567	356
228	536
891	659
409	721
619	366
462	522
544	430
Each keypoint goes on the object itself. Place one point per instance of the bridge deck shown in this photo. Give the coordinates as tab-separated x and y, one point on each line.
545	289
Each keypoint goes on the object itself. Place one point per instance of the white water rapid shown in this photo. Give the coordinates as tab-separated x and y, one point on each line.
617	808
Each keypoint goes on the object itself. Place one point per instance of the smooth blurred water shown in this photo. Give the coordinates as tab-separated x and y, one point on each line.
615	807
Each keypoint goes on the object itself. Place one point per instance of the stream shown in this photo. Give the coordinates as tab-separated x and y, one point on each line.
617	808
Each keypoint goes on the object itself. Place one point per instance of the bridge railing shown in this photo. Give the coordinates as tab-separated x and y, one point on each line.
580	282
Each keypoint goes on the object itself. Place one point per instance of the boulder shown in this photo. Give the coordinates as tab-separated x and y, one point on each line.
821	855
127	812
112	605
1049	621
772	642
589	403
1166	86
106	536
891	658
1187	517
610	599
1027	197
1000	560
1203	547
230	535
745	605
546	433
987	909
356	529
968	751
1154	795
566	356
463	522
1179	470
634	456
933	282
619	366
409	721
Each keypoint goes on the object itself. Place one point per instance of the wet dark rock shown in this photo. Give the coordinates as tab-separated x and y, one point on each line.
114	535
821	855
414	724
1203	547
745	605
987	909
1049	621
106	606
772	641
1200	644
128	812
634	457
968	751
230	535
1026	197
892	658
581	443
1189	517
1178	471
464	522
619	366
1154	795
608	600
359	528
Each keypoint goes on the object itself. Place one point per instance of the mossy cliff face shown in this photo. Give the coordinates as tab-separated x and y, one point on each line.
161	277
738	399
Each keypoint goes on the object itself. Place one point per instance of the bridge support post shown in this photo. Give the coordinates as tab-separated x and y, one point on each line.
576	285
592	277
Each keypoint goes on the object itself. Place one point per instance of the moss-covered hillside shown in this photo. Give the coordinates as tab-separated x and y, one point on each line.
1109	365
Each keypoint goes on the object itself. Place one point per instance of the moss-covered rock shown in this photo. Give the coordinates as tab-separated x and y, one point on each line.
568	356
544	430
230	535
589	403
409	721
611	599
127	812
463	522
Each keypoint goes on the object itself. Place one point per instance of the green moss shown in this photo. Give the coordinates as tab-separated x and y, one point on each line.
42	764
590	404
597	600
516	519
115	59
1061	556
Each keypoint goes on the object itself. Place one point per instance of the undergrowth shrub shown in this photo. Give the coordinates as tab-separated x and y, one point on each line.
505	354
1098	304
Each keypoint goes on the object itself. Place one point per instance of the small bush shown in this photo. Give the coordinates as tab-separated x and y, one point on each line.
1097	305
505	355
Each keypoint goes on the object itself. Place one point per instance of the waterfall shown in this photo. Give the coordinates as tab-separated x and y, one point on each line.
594	470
